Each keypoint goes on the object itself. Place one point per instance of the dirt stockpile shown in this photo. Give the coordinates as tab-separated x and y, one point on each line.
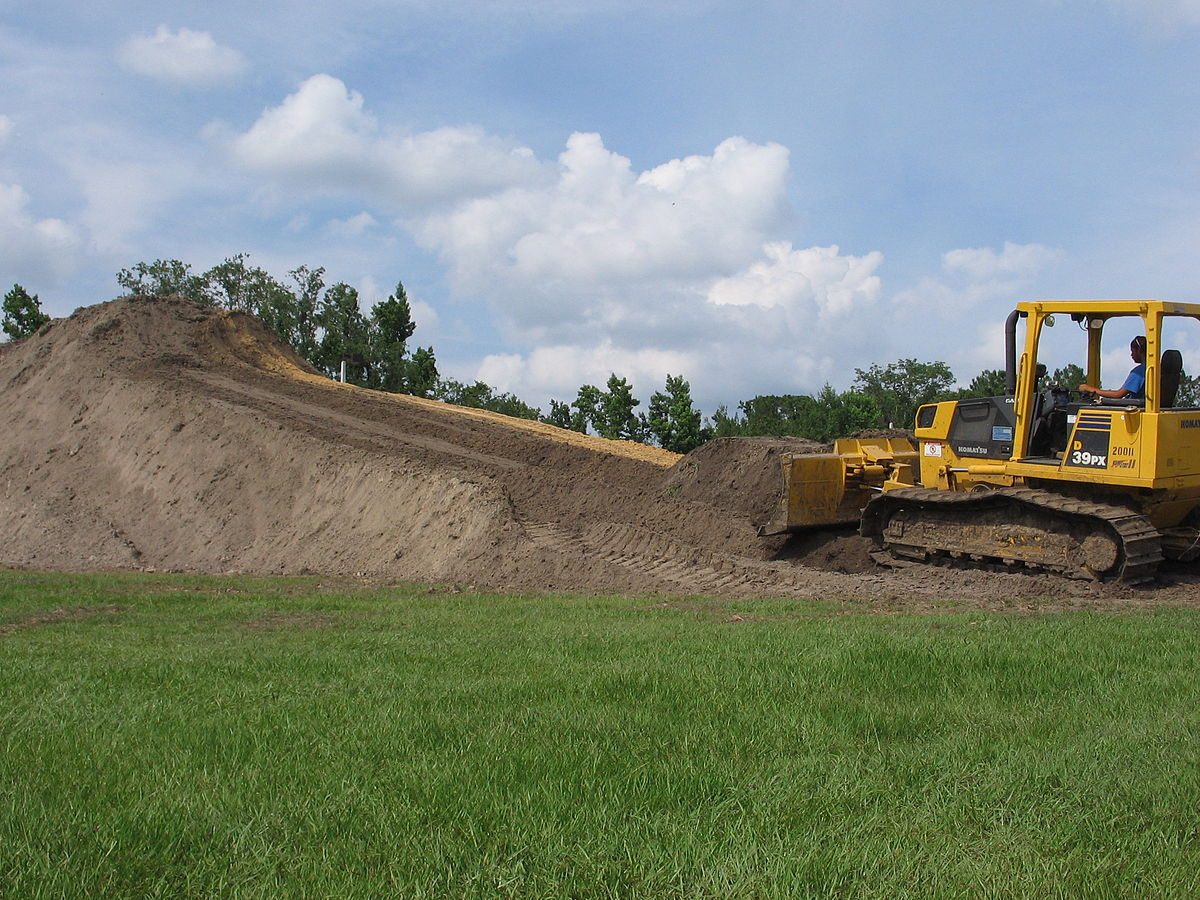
158	434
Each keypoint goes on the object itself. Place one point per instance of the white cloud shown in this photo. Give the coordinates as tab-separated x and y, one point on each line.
124	199
819	279
984	263
369	293
590	266
597	266
599	223
185	57
33	249
352	227
322	139
976	289
674	270
6	129
320	127
973	277
426	318
558	371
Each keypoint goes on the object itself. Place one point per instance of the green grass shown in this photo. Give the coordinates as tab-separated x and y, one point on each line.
265	737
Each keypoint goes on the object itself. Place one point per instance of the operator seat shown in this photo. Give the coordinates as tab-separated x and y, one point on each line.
1172	370
1039	431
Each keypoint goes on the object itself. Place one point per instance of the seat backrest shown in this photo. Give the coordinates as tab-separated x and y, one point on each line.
1171	369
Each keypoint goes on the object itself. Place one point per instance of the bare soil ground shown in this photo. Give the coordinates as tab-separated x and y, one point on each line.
58	614
158	434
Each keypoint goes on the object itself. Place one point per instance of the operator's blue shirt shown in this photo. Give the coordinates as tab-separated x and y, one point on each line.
1135	383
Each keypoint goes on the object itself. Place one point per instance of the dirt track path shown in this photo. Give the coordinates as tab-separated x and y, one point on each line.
299	407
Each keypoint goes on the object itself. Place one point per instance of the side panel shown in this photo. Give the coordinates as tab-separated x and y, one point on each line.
1179	445
1091	444
933	430
957	435
1108	445
983	428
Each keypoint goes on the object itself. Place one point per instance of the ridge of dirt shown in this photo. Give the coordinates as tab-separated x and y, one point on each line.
154	433
280	359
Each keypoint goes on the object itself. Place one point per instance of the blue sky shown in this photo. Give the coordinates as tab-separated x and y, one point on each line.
760	196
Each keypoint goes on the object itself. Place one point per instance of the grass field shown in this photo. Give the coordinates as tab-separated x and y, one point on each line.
175	736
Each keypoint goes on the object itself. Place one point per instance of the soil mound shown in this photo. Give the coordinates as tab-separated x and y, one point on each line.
739	475
155	433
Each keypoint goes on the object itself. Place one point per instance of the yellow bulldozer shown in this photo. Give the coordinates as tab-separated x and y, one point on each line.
1043	478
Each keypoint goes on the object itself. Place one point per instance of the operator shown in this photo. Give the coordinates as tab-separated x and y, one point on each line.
1135	383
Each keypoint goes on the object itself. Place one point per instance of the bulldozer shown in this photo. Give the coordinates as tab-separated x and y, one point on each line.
1043	478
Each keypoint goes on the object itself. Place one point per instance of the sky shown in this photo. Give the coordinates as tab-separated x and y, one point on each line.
760	196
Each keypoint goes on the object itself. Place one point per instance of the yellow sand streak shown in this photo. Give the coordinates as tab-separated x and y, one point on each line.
268	358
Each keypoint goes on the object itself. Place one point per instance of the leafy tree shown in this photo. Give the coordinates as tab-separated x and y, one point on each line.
1189	390
22	313
900	387
309	284
824	417
420	372
988	383
233	284
781	415
278	310
560	414
391	327
323	326
345	335
722	424
162	278
512	405
843	414
586	406
673	420
450	390
1069	376
480	395
615	417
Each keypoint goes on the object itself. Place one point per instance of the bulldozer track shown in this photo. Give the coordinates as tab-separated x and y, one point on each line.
1119	544
683	567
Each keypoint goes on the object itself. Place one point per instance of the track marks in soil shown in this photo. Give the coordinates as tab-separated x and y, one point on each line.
674	566
279	405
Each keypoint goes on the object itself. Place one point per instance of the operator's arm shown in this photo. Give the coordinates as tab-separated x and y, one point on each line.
1101	392
1132	386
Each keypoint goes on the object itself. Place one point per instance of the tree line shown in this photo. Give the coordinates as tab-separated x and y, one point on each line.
326	326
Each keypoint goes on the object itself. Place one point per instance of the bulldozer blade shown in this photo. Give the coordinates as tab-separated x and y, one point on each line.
823	489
